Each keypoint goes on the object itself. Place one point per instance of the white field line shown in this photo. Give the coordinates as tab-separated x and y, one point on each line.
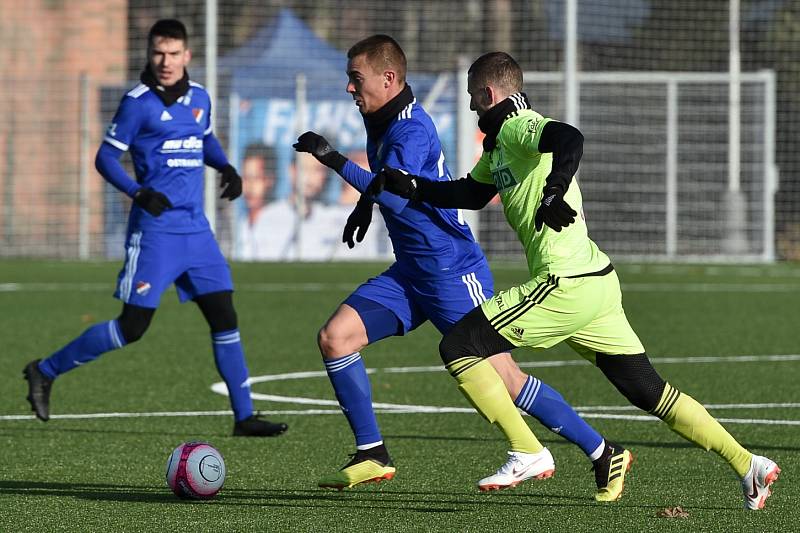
417	410
324	286
586	411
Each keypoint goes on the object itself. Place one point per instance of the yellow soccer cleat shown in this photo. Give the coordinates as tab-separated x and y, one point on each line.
609	472
361	469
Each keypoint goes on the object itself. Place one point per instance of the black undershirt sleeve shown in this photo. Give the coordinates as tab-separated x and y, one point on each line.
566	144
464	193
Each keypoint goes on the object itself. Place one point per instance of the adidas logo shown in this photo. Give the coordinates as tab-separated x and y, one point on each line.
165	116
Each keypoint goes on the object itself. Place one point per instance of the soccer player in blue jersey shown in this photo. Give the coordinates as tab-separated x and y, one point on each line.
440	275
165	122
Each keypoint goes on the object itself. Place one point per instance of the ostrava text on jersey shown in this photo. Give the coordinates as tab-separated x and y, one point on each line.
429	242
166	144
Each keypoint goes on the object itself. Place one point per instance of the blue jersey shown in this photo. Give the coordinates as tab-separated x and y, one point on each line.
429	242
166	145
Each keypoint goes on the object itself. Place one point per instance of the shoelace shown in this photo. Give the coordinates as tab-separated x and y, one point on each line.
509	465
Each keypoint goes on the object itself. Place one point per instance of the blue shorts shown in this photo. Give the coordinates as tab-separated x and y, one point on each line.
442	301
154	260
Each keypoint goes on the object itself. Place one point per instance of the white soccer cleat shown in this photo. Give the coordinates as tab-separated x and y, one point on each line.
756	484
519	467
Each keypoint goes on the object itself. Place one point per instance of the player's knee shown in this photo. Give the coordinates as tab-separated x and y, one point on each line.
472	336
218	310
333	342
224	319
634	377
133	322
455	344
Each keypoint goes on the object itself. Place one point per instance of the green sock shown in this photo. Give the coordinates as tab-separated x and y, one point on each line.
482	386
691	421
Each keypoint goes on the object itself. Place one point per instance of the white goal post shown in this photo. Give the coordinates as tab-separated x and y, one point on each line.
654	174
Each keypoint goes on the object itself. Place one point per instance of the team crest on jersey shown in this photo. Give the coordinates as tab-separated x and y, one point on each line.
142	288
198	112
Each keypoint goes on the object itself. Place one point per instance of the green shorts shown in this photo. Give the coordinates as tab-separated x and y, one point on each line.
585	312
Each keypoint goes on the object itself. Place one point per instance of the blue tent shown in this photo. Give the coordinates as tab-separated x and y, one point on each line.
264	73
268	64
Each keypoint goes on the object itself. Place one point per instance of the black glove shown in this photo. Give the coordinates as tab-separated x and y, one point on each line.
359	219
397	182
232	183
319	147
152	201
554	211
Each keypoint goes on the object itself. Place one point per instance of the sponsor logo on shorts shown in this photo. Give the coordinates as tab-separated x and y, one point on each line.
517	332
142	288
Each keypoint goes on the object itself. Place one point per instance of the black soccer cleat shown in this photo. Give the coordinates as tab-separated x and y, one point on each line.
255	426
38	390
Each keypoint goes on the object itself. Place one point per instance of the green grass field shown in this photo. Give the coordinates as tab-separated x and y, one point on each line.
710	330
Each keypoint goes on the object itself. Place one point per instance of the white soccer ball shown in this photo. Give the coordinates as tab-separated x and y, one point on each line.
195	470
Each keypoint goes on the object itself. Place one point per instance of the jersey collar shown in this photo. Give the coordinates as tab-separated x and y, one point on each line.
491	122
168	95
378	122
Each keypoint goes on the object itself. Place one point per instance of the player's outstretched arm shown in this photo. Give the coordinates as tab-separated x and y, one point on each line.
464	193
320	148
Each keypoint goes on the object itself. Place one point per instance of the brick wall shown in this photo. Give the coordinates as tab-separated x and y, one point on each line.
45	45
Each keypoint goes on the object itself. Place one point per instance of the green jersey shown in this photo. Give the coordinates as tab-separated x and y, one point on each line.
518	170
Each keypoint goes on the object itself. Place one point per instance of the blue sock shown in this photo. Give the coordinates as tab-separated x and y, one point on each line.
92	343
351	385
546	405
229	357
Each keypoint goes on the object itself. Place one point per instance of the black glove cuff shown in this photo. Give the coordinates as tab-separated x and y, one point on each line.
559	180
228	169
334	160
419	190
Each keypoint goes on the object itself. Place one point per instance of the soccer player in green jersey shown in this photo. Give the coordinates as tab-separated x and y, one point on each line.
573	294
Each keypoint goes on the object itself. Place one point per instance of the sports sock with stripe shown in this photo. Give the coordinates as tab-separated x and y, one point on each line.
90	345
231	365
351	385
480	383
686	417
545	404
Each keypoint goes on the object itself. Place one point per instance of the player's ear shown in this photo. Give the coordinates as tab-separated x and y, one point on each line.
388	78
188	56
490	94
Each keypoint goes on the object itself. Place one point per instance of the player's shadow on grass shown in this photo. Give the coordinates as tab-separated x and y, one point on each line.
405	500
88	491
106	431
